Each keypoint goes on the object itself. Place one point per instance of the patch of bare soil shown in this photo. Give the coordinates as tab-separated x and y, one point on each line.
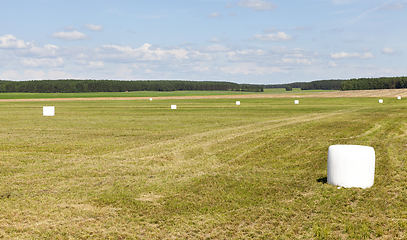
354	93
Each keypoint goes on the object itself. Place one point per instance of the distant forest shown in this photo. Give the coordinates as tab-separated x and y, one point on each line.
76	86
314	85
351	84
374	83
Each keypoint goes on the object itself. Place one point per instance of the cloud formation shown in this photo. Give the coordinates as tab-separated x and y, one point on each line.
69	36
387	50
214	15
257	5
43	62
273	37
95	28
11	42
351	55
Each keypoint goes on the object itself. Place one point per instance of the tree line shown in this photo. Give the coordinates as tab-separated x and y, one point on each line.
374	83
351	84
314	85
76	86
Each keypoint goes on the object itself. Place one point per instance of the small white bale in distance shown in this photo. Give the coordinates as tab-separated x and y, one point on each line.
296	101
380	100
48	111
173	106
151	99
398	97
237	102
351	166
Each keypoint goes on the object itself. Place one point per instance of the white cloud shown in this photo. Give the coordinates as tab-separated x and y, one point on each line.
298	61
10	75
143	53
11	42
33	75
58	74
48	50
214	15
43	62
69	36
273	37
257	5
387	50
94	28
332	64
216	48
351	55
96	65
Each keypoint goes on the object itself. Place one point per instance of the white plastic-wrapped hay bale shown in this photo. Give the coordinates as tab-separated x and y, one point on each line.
237	102
351	166
173	106
151	99
48	111
398	97
380	100
296	101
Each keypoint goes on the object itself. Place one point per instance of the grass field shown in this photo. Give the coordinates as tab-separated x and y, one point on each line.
149	94
118	94
208	170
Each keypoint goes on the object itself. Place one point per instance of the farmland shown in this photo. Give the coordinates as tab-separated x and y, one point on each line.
209	170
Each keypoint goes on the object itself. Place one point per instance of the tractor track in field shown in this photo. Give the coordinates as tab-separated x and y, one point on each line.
353	93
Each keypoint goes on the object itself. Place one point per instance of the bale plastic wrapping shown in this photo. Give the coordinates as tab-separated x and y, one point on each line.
398	97
296	101
351	166
380	100
173	106
237	102
48	111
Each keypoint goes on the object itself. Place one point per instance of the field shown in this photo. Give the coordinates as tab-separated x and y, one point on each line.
135	169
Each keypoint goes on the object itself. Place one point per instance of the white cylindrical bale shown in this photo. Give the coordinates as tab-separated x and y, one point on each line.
296	101
151	99
237	102
398	97
173	106
48	111
380	100
351	166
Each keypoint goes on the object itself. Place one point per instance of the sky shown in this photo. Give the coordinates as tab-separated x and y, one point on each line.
242	41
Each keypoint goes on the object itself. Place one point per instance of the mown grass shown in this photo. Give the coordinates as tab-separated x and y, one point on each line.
118	94
208	170
149	94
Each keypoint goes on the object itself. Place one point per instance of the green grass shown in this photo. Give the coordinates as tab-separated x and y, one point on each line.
208	170
295	91
118	94
149	94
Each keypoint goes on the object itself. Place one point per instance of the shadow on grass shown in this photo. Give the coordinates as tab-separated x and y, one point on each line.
322	180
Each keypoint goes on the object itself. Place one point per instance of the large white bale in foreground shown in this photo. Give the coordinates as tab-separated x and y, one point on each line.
296	101
237	102
380	100
351	166
173	106
48	111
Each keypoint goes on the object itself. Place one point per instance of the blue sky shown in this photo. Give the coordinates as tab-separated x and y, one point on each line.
243	41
